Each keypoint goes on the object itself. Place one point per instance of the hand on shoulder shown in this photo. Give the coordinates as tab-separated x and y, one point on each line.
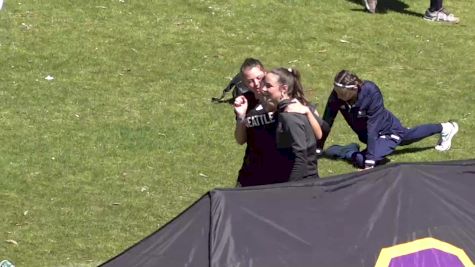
297	107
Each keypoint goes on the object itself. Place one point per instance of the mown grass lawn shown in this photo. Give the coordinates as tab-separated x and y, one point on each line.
124	137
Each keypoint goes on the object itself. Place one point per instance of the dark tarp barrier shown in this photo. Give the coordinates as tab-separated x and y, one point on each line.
182	242
413	211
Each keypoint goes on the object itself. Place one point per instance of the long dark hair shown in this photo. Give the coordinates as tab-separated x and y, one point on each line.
291	78
345	78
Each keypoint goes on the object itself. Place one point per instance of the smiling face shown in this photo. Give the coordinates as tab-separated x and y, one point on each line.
273	89
253	78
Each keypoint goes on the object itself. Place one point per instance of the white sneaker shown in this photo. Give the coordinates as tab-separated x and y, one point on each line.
443	15
449	129
370	5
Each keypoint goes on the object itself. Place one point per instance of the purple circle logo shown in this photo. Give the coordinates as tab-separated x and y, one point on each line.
426	252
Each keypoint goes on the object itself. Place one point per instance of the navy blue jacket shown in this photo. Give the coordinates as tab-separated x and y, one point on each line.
367	117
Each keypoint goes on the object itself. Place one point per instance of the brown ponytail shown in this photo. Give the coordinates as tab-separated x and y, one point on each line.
291	78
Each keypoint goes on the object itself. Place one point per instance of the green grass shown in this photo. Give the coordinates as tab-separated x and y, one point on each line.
125	137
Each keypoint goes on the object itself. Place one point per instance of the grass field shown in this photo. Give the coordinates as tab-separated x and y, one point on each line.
124	137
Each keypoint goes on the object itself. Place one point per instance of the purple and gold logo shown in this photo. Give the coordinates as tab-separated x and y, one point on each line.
426	252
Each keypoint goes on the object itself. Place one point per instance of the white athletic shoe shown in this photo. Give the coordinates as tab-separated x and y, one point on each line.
443	15
449	129
370	5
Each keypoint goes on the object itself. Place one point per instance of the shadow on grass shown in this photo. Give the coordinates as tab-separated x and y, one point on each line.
388	5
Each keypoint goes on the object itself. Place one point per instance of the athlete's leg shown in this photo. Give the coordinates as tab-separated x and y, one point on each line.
385	145
420	132
437	12
435	5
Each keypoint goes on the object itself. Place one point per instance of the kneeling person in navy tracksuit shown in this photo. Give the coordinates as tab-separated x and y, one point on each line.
361	104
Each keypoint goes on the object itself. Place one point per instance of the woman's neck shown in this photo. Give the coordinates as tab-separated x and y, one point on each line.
284	97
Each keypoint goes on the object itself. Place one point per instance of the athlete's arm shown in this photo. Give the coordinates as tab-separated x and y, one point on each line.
298	107
329	115
240	108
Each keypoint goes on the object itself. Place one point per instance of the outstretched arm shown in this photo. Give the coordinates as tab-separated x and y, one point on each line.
329	115
373	104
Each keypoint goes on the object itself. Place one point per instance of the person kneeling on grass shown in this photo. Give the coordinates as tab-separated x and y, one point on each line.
361	104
